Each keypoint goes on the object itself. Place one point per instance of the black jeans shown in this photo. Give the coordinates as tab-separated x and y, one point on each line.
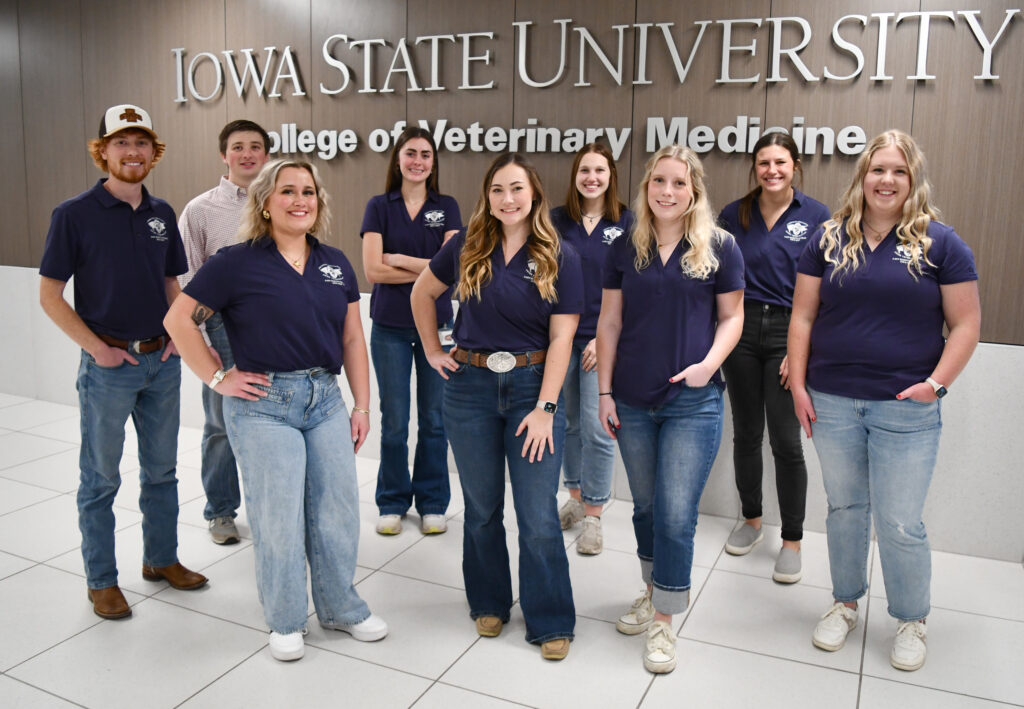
752	374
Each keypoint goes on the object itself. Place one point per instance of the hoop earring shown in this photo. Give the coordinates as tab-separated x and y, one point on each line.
266	215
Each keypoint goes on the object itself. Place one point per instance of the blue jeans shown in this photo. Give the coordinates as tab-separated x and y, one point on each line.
668	452
149	392
220	474
294	449
394	350
589	453
876	460
482	411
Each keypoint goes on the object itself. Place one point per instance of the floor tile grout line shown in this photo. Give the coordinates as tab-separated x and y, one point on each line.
999	702
774	657
44	691
219	677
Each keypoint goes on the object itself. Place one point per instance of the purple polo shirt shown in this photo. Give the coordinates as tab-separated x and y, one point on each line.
770	255
420	237
879	330
119	258
668	319
277	319
593	250
510	315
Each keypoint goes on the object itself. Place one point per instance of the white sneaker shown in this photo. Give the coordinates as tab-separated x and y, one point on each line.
660	656
371	629
433	524
831	631
909	649
287	647
591	541
571	513
638	618
389	524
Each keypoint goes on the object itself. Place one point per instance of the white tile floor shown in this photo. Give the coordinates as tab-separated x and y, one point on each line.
744	642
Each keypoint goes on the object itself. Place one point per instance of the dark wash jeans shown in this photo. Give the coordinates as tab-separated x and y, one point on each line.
752	376
482	410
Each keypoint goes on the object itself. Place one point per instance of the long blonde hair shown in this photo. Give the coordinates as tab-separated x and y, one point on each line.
254	227
483	236
699	230
912	229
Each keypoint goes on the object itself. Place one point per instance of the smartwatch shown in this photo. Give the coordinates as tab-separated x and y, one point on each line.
548	406
218	377
940	390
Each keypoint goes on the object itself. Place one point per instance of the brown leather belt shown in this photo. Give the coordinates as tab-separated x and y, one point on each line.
499	361
153	344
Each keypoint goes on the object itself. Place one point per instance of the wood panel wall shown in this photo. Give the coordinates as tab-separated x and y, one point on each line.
62	62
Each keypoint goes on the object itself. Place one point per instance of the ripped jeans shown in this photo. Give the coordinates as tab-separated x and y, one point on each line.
876	460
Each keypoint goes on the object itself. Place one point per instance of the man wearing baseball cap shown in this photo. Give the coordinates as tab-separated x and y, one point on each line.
123	248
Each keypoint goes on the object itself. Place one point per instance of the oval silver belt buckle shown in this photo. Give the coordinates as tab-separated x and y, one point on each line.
501	362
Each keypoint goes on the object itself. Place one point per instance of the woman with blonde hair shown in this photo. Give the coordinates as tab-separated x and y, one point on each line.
291	310
591	220
671	312
520	292
868	365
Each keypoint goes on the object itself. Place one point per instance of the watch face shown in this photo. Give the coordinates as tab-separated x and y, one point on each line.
940	392
550	408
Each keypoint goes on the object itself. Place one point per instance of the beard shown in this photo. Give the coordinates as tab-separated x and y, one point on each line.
130	175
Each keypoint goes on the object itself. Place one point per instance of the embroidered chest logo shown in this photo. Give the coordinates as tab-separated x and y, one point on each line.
796	230
157	228
531	270
434	218
611	234
332	274
905	254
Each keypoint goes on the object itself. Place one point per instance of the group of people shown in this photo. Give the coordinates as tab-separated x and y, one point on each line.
577	328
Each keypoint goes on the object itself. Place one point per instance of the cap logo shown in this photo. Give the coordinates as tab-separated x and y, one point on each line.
130	116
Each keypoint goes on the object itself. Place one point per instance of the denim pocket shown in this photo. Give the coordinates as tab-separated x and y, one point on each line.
922	403
92	360
537	369
463	366
273	406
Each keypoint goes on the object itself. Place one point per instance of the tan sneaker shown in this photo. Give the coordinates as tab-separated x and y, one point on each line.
591	541
489	626
638	618
660	654
571	513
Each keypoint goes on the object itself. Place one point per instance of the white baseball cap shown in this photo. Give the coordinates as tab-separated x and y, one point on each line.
123	117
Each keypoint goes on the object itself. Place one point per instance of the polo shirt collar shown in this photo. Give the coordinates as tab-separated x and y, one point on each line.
396	195
108	200
267	243
798	197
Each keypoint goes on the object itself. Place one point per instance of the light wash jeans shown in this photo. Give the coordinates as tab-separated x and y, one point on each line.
876	460
219	473
107	396
294	448
395	351
482	411
589	452
668	452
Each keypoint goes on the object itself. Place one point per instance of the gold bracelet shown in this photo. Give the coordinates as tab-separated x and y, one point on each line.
362	411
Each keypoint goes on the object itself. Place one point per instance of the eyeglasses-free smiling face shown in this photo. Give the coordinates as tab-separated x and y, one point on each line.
129	155
592	176
886	184
293	203
510	195
416	160
773	166
245	156
669	193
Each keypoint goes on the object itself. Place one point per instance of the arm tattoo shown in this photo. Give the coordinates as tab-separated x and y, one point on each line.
201	314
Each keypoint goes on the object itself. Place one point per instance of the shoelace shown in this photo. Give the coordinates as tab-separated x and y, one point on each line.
661	638
910	628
